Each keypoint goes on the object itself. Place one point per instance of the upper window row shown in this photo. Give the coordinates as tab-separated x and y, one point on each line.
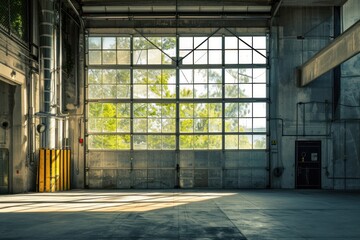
162	50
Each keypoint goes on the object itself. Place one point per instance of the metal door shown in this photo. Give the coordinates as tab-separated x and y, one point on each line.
308	164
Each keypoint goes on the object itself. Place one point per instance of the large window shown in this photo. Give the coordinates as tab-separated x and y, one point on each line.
144	94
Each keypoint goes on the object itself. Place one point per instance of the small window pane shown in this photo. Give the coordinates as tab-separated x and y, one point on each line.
231	76
168	110
94	42
140	76
95	110
231	91
109	142
140	91
200	43
168	91
186	42
186	58
215	125
215	109
259	58
245	110
231	141
123	142
186	76
231	125
123	57
201	142
245	142
95	142
245	90
231	109
123	110
109	57
168	125
123	91
245	42
200	91
245	75
95	92
201	124
140	142
109	43
123	125
231	56
154	125
109	91
245	56
109	125
140	125
154	91
200	76
245	125
259	75
109	76
186	142
259	90
95	124
259	124
201	110
215	76
259	42
123	43
154	142
231	42
186	91
215	141
186	125
200	57
94	76
154	56
215	43
94	57
259	142
140	57
259	109
168	142
140	110
215	90
186	110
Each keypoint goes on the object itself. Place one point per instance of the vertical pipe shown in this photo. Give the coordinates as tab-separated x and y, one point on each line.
47	64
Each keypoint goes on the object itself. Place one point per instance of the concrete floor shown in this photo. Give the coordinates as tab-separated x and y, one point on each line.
181	214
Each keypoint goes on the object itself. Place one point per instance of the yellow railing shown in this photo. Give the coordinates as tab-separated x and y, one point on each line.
53	170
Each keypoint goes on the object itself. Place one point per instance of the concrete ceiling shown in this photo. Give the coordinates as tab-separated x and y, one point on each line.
188	13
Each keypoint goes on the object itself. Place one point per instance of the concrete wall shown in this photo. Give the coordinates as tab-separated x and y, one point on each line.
298	113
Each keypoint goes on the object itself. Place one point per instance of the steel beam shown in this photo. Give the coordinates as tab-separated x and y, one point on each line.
341	49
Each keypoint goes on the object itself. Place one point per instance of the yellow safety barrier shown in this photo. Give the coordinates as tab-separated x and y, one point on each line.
53	170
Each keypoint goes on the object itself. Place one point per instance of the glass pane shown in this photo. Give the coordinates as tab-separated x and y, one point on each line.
140	76
259	90
168	91
109	142
259	42
231	109
123	77
140	142
259	124
95	109
109	91
245	142
123	57
231	91
109	43
123	43
140	91
154	110
95	141
123	91
186	58
186	43
200	76
168	125
259	75
245	42
200	42
231	43
94	76
109	110
109	76
215	109
140	57
168	76
154	91
154	142
140	109
141	43
231	75
95	124
231	125
215	43
154	125
154	76
259	109
123	142
215	76
259	141
245	56
215	90
95	92
123	110
200	57
201	124
186	110
94	42
109	57
186	125
215	125
186	91
186	142
154	56
245	125
231	142
245	75
245	90
168	110
215	142
140	125
94	57
168	142
259	58
201	110
200	91
123	125
231	57
245	109
186	76
201	142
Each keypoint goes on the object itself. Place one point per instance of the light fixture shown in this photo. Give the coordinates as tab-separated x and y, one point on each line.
13	74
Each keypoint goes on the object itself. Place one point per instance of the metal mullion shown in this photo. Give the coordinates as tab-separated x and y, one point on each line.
131	96
223	92
177	100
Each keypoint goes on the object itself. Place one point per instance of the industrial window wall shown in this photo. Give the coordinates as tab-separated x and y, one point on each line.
185	111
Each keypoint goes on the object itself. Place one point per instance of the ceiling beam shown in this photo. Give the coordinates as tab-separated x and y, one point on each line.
341	49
